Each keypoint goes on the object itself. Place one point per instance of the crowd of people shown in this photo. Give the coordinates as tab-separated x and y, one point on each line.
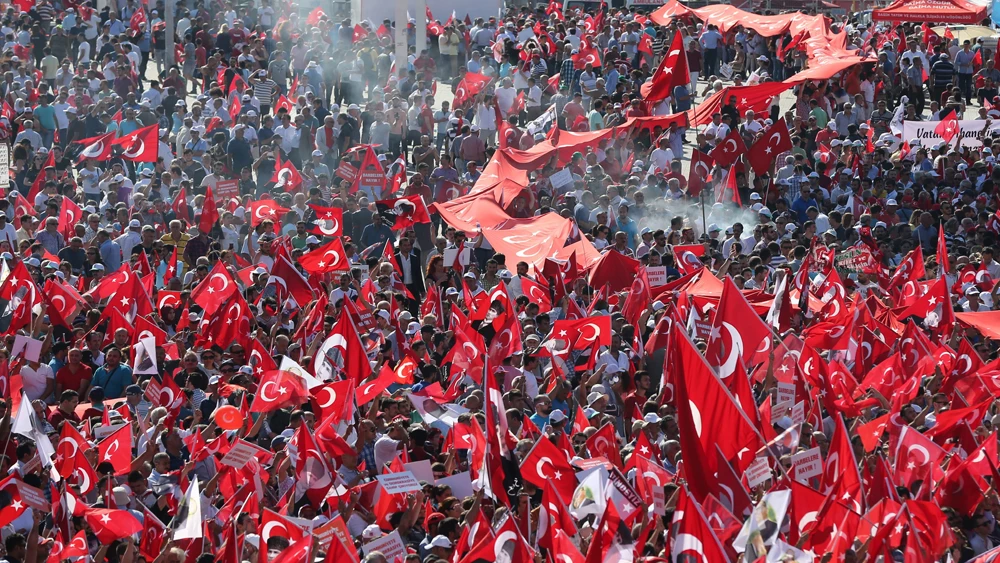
563	285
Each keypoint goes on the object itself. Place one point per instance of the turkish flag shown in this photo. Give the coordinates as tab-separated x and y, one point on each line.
96	148
180	206
214	290
673	71
209	212
138	20
39	182
69	216
371	389
588	55
584	332
916	457
639	297
708	415
948	128
360	33
230	323
282	104
325	259
289	282
116	449
313	476
70	442
20	294
111	525
22	209
840	471
470	85
279	389
729	149
646	43
333	399
942	253
265	209
604	443
65	302
78	547
403	212
775	141
153	535
285	175
960	488
11	504
545	464
171	272
693	535
934	307
949	422
700	173
555	523
468	352
141	145
342	352
490	546
738	333
329	221
273	524
537	293
650	477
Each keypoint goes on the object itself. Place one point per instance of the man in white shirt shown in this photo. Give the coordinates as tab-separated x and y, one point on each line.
288	133
662	156
505	94
131	238
38	380
7	231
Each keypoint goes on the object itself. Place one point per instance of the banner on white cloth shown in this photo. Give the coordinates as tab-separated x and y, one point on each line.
973	131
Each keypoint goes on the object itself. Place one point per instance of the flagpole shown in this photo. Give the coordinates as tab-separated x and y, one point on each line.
169	7
704	222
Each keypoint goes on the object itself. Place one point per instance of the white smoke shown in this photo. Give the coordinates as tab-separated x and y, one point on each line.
658	214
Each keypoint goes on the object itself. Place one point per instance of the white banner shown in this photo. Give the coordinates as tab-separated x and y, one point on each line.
972	132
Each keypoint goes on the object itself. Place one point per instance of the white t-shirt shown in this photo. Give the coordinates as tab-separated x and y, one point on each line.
35	380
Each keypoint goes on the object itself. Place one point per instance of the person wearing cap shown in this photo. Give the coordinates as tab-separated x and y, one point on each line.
131	238
473	147
266	90
50	237
177	238
942	75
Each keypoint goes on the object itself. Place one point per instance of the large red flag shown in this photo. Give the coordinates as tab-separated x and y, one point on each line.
708	416
700	173
209	212
111	525
328	258
948	128
673	71
116	449
738	332
279	389
141	145
775	141
694	538
546	463
729	149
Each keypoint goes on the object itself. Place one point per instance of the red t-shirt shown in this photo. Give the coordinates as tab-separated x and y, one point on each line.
69	379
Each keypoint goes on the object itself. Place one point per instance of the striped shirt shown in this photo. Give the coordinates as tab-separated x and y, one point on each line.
263	91
46	13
